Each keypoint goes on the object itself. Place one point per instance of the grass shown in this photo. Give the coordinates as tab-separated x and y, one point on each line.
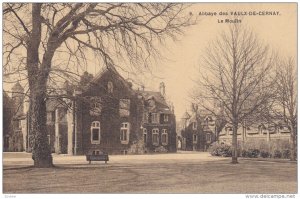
169	173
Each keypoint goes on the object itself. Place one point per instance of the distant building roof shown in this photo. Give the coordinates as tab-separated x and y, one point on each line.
186	115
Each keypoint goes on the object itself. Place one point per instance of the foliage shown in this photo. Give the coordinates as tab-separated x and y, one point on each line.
160	149
265	154
220	150
250	153
277	154
255	149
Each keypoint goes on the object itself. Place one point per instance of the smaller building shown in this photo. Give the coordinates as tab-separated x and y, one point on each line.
277	130
198	132
14	120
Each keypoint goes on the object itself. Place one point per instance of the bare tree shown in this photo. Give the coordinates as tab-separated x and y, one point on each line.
286	105
37	35
236	75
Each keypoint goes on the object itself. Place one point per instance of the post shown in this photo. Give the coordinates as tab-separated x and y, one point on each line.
268	134
75	128
76	93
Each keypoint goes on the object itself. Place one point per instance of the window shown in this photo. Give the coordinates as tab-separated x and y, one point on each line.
124	133
195	138
145	135
166	118
154	118
50	116
145	117
155	139
49	139
208	137
124	107
194	126
110	87
96	106
164	137
95	132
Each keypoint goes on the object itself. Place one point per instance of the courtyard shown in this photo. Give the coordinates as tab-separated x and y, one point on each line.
182	172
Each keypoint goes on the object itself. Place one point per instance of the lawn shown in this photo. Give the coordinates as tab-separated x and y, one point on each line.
166	173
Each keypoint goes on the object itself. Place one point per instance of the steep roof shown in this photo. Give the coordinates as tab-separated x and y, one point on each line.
160	102
112	69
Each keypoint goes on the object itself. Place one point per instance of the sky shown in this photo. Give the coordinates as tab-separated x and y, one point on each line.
180	68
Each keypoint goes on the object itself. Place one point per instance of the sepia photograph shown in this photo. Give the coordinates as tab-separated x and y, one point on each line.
150	98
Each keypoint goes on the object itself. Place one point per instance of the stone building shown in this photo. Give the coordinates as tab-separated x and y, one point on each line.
14	119
198	131
107	114
277	130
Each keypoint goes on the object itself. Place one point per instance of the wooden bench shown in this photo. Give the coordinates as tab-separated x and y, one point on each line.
97	156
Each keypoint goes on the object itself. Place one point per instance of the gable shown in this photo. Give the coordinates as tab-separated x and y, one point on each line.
108	81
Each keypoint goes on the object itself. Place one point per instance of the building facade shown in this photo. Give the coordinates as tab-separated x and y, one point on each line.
108	115
259	131
198	131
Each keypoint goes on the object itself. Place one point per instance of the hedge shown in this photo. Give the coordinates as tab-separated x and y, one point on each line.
254	149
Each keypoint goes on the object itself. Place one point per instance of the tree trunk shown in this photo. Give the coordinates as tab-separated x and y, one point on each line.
37	78
41	150
234	145
293	145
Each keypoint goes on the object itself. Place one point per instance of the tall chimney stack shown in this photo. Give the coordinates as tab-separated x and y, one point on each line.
162	89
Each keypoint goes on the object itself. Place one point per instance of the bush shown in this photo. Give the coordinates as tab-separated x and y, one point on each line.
227	151
220	150
277	154
286	154
160	149
265	154
273	148
250	153
253	153
254	148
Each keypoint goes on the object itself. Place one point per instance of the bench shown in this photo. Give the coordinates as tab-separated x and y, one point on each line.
97	156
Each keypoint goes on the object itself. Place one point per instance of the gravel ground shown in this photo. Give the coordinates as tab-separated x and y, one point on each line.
185	172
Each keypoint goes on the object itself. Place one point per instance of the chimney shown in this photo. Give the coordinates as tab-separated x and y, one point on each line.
162	89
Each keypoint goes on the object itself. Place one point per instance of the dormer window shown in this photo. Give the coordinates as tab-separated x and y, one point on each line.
110	87
124	109
95	106
166	118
